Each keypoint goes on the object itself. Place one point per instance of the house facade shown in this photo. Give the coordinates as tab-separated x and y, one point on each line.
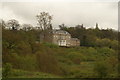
62	38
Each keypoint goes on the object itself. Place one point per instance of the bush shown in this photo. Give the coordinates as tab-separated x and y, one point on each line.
75	57
47	63
101	69
106	52
26	62
6	70
23	48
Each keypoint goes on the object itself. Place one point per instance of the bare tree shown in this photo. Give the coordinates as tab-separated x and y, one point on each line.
13	24
44	20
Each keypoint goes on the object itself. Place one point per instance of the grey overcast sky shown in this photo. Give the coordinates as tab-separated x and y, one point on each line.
70	13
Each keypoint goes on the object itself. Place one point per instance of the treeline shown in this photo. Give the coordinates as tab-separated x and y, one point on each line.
93	37
15	25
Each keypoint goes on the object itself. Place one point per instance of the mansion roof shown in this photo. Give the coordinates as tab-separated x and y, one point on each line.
60	32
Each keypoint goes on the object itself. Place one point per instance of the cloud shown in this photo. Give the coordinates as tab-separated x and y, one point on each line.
70	13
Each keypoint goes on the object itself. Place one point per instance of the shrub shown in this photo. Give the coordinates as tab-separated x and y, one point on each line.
47	63
25	62
23	48
6	70
101	69
75	57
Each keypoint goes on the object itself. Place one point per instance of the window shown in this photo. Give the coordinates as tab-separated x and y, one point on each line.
62	37
62	42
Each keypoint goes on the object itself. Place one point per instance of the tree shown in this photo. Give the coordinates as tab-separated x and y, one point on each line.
113	61
7	70
101	69
97	26
103	42
62	26
114	44
44	20
75	57
13	24
47	62
79	26
27	27
2	24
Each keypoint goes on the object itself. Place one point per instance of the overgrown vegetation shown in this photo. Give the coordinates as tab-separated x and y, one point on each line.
96	56
21	50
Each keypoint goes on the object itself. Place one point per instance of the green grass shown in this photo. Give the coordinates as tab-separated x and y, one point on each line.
16	73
